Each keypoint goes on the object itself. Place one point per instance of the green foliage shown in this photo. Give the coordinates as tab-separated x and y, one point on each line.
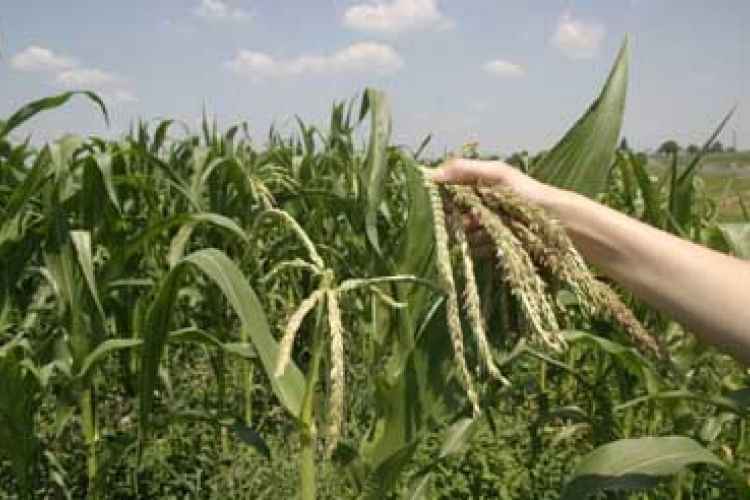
147	281
581	160
639	464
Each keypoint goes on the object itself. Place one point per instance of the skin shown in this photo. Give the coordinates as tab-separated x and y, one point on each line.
706	291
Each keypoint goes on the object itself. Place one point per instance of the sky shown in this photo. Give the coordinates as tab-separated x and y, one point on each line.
509	74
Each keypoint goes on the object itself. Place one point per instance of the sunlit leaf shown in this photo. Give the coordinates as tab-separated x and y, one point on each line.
581	160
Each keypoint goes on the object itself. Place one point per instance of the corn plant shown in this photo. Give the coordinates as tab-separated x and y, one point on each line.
178	310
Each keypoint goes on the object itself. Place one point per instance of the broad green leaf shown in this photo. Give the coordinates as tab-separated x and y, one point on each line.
160	135
181	239
114	267
376	168
103	162
82	244
32	108
581	160
289	388
215	264
102	350
197	336
20	400
194	336
172	179
33	181
636	465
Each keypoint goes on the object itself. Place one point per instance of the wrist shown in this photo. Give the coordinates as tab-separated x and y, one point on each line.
565	206
553	199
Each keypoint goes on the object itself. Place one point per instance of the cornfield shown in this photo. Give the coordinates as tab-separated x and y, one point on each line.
194	316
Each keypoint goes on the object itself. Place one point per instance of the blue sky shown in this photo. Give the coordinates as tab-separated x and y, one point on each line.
510	74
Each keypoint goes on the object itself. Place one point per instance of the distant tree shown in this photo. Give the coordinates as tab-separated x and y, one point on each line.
624	146
717	147
669	147
693	149
518	159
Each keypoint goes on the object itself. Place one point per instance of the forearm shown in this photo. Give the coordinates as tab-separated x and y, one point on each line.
706	291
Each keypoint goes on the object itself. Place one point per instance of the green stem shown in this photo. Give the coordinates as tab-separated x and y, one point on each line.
88	421
247	375
307	423
225	451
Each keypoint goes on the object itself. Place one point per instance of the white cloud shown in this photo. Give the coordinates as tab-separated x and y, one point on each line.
367	57
505	69
68	73
36	58
123	96
84	77
578	38
220	10
396	17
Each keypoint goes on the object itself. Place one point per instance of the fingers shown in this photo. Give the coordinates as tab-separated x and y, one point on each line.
468	220
463	171
480	244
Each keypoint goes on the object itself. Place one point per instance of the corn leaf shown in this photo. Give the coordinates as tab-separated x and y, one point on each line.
376	168
20	400
581	160
638	464
32	108
82	244
106	347
289	388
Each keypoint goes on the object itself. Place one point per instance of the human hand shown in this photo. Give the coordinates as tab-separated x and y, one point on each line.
463	171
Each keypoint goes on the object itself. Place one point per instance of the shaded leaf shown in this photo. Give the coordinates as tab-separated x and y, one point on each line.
251	438
635	465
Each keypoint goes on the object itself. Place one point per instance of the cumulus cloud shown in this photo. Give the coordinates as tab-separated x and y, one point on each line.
68	73
219	10
578	38
367	57
84	77
397	16
505	69
36	58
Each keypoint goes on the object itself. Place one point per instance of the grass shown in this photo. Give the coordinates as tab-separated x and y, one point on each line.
729	202
739	159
